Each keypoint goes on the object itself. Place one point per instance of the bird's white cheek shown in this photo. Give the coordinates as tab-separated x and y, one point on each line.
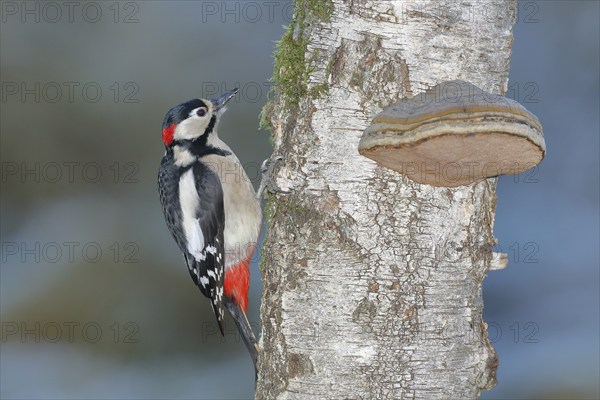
190	129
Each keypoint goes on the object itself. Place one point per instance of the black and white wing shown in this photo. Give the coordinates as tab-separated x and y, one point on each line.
201	200
193	208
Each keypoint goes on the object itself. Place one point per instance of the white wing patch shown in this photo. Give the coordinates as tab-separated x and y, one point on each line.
189	201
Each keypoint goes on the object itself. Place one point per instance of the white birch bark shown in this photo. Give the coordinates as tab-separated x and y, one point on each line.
372	283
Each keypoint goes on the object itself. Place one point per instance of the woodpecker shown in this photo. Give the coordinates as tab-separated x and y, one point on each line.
211	208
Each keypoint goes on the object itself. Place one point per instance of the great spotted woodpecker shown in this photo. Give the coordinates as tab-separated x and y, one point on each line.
211	208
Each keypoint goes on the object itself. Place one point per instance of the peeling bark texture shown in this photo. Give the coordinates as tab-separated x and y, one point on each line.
372	282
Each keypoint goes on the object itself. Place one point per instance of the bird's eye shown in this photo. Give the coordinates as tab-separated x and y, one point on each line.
201	112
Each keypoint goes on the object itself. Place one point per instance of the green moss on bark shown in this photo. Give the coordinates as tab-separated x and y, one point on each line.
292	70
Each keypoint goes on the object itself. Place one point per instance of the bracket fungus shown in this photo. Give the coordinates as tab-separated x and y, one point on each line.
454	134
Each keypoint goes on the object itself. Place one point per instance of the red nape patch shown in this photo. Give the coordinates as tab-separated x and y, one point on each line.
167	134
237	282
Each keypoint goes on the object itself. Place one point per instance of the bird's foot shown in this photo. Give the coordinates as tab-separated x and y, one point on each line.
268	182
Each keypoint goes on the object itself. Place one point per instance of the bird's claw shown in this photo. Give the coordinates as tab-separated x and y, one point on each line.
267	181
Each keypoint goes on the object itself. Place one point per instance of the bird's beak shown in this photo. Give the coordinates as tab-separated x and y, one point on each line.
220	101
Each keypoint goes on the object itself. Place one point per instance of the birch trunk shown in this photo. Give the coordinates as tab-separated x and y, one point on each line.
372	283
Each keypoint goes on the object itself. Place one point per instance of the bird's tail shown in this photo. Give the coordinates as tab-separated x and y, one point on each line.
218	311
243	326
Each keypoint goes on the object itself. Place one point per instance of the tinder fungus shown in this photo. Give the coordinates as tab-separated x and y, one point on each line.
454	134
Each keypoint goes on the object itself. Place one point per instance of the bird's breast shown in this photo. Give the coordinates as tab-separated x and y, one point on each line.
243	217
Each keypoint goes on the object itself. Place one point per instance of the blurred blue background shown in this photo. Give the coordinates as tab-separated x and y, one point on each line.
95	298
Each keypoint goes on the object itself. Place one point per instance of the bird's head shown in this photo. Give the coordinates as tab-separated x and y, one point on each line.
194	119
